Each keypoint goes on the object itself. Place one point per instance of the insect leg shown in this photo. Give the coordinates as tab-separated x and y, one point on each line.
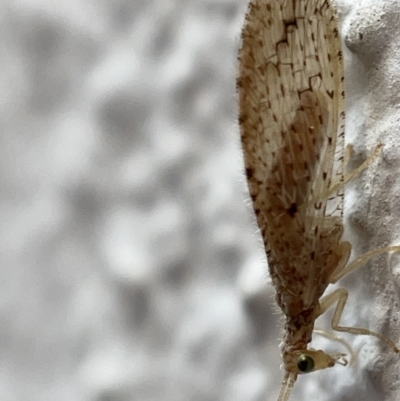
333	337
339	296
347	154
352	174
342	270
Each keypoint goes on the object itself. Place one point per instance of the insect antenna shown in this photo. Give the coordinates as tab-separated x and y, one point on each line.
287	384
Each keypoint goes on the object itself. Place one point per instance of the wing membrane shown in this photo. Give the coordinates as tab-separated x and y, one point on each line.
291	101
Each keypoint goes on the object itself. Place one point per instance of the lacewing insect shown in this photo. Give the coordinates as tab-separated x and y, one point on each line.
291	115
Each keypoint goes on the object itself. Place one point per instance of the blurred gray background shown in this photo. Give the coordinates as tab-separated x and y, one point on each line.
131	267
124	230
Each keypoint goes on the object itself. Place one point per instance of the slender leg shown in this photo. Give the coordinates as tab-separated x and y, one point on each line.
339	296
342	341
347	154
336	186
344	250
342	270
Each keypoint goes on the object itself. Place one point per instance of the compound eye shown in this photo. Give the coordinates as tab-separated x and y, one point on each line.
305	363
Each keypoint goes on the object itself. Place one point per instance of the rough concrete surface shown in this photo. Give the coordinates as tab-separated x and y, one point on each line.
131	266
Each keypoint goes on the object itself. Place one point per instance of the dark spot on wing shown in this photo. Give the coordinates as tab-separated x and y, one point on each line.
249	173
292	210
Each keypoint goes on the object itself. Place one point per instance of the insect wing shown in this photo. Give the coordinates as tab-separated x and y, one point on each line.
291	94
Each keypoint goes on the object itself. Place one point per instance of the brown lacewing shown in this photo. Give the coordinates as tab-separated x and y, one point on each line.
291	100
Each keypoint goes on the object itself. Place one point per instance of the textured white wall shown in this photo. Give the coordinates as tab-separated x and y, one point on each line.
131	268
372	33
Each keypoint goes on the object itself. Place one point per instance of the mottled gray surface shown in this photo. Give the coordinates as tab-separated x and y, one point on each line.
131	266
